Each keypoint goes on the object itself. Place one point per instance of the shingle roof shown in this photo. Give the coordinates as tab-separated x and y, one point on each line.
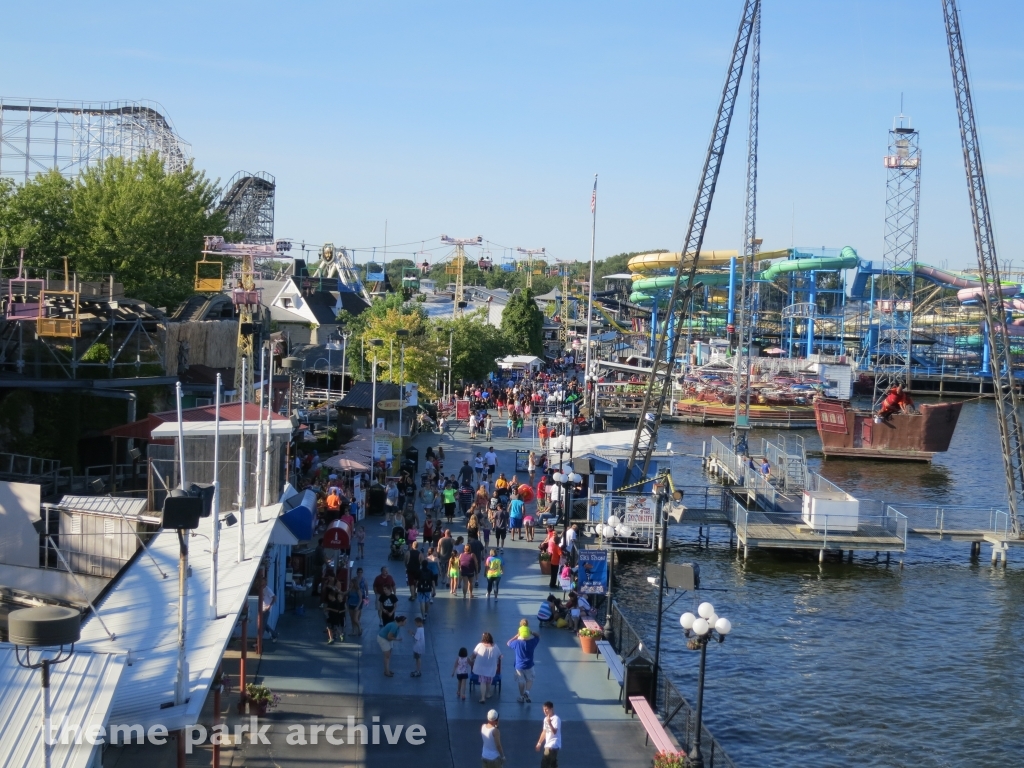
360	397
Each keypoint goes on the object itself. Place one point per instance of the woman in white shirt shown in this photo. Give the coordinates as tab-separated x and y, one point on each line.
484	659
493	756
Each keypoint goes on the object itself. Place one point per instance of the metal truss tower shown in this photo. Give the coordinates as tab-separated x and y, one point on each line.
1004	388
751	243
248	201
457	266
37	135
530	253
896	311
660	379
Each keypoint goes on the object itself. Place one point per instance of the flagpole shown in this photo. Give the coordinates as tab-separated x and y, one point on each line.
590	295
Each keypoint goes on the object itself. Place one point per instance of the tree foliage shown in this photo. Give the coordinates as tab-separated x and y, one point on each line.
476	344
522	324
126	217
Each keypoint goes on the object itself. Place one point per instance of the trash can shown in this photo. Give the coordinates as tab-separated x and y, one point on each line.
408	465
412	453
375	498
638	680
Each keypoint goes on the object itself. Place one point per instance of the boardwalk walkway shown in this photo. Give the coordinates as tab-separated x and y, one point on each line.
322	683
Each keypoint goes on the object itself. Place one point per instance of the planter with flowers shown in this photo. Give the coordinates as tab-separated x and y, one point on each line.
671	760
260	699
589	638
545	563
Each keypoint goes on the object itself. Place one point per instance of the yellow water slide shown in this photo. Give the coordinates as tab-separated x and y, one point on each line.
657	261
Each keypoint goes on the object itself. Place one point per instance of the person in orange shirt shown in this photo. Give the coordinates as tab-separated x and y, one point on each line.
333	504
543	433
556	557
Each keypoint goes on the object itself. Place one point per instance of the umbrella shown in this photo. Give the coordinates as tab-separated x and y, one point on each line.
775	351
348	463
525	493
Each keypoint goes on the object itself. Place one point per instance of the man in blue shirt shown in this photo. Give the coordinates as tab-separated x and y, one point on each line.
524	643
516	510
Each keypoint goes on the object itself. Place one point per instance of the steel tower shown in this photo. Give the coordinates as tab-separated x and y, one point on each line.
751	243
896	310
1004	388
457	266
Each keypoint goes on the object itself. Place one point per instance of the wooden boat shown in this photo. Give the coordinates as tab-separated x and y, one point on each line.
847	431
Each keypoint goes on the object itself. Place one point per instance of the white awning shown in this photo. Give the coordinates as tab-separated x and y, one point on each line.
169	429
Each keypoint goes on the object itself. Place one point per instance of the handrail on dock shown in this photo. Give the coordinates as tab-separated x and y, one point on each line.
676	712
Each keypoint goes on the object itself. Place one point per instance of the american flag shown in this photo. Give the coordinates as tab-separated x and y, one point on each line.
593	197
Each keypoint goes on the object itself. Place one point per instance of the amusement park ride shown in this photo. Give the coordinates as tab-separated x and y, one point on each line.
457	265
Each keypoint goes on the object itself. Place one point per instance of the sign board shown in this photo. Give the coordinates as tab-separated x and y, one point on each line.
593	572
522	461
389	405
462	410
636	511
382	448
412	394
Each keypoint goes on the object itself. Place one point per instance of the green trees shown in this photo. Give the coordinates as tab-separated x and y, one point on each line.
475	345
522	323
130	218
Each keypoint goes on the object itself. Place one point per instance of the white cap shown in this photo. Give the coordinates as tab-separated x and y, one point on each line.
492	716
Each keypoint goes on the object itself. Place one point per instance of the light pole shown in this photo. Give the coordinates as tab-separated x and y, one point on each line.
47	626
344	359
374	343
403	335
699	630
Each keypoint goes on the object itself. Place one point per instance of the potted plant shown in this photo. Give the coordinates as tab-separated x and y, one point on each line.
545	563
260	698
671	760
589	638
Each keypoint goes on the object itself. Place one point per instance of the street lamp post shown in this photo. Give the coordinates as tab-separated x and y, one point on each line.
699	630
402	334
344	359
375	343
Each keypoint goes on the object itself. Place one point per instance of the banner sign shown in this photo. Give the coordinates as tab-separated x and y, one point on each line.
462	410
593	572
382	448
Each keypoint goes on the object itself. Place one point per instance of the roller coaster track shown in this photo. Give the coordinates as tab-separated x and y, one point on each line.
248	203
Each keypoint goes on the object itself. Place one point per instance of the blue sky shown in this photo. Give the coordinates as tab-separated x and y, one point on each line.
491	119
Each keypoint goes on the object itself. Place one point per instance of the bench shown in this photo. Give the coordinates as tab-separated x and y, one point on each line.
655	732
611	658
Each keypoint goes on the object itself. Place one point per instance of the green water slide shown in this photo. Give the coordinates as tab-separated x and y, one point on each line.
847	259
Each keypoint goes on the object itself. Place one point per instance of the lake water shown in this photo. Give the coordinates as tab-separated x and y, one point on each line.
862	663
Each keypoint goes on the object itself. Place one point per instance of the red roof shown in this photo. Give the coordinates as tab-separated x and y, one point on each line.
143	429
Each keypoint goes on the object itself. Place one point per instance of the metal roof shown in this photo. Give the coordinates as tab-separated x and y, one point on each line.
103	505
360	396
81	691
141	610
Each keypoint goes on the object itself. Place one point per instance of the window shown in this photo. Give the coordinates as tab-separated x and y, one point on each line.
600	483
201	401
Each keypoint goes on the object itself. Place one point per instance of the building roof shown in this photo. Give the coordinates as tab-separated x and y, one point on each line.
104	506
360	397
140	610
229	412
519	361
81	691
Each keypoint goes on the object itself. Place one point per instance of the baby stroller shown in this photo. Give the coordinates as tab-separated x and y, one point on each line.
397	551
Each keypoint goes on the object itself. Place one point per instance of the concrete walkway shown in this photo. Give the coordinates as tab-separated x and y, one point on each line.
325	684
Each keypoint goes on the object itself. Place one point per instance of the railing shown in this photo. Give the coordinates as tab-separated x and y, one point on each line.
677	713
28	466
890	522
927	519
764	491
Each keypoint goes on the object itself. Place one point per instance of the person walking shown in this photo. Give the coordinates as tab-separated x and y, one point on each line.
448	494
556	558
493	569
388	635
267	600
484	660
391	509
419	647
469	566
478	466
491	460
550	740
524	643
492	756
488	427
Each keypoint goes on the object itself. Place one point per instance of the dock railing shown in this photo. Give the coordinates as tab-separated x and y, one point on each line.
675	710
954	520
890	521
763	490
